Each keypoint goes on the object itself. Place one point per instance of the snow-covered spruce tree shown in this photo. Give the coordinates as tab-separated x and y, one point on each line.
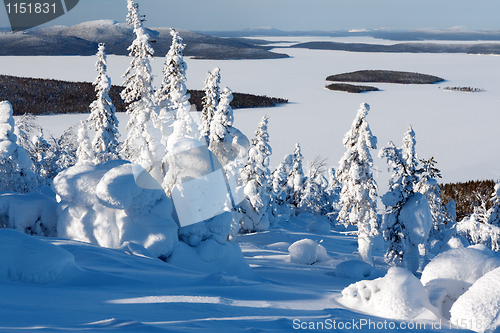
64	149
332	196
210	101
296	180
143	144
402	203
15	165
220	124
358	198
279	205
85	154
428	186
313	194
494	211
255	179
102	114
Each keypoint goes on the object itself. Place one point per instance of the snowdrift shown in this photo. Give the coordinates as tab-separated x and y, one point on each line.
27	259
104	205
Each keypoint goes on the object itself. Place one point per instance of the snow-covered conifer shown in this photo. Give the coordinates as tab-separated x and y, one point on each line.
278	193
84	154
173	92
15	164
403	243
494	211
332	196
102	114
358	198
143	144
220	124
313	194
296	179
210	101
255	179
64	149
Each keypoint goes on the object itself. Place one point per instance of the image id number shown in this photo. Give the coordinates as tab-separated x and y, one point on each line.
29	8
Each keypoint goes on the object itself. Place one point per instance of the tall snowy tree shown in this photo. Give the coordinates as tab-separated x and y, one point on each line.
296	179
143	144
15	164
210	101
173	91
102	114
358	198
221	123
255	179
85	154
404	238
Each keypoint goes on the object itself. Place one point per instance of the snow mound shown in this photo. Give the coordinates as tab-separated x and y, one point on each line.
319	226
417	215
478	308
105	205
307	252
357	270
28	259
451	273
40	219
397	295
212	257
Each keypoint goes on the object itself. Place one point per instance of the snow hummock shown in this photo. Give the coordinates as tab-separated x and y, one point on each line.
478	308
29	259
307	252
357	270
397	295
105	205
451	273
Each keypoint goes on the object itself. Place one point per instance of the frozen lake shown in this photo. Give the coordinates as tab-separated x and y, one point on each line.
458	129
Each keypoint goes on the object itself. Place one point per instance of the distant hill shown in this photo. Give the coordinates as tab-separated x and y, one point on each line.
486	48
82	39
42	97
385	76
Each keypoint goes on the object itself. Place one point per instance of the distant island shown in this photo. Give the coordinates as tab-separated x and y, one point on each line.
44	97
350	88
385	76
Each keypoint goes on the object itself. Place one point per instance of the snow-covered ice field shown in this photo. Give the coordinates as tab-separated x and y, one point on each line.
104	289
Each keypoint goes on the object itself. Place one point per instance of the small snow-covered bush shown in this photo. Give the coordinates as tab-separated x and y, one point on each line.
114	203
478	308
28	259
479	233
397	295
451	273
39	219
307	252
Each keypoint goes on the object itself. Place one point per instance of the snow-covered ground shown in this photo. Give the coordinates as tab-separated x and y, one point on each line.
69	285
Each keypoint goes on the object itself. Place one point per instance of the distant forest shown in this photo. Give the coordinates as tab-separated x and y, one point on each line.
468	195
43	97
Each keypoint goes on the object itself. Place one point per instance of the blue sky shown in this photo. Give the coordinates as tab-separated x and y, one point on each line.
203	15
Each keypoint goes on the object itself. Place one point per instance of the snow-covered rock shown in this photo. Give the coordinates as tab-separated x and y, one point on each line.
40	219
307	252
397	295
451	273
478	309
29	259
106	205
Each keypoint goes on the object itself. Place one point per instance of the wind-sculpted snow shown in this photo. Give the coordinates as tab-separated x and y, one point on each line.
28	259
105	205
397	295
